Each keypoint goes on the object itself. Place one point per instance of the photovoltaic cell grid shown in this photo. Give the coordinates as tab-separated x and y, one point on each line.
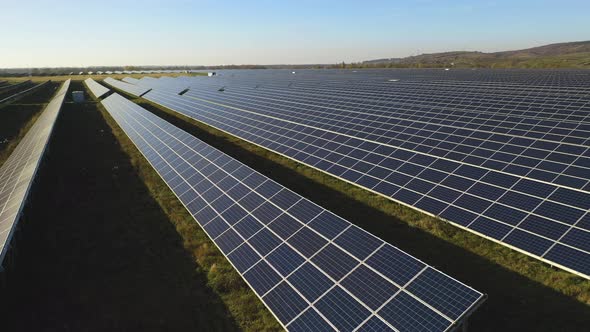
13	91
10	87
525	78
18	172
313	269
530	124
164	83
130	80
515	173
133	89
96	89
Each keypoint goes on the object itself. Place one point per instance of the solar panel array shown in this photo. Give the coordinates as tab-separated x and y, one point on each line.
18	172
7	88
127	87
96	89
167	84
12	91
312	269
130	80
502	154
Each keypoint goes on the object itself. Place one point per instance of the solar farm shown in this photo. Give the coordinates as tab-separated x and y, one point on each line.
307	200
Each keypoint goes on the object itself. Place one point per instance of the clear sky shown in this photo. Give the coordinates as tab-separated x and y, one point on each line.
181	32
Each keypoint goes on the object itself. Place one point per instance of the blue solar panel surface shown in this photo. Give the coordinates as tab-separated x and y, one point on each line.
312	269
130	80
133	89
10	92
504	154
19	170
96	89
164	83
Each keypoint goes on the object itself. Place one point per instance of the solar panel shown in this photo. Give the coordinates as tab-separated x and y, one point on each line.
130	80
127	87
10	87
310	267
164	84
508	162
12	91
18	172
96	89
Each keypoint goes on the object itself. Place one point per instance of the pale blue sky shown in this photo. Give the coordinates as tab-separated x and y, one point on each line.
180	32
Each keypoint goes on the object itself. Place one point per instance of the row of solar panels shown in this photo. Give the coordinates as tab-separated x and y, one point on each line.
58	72
133	89
11	91
557	162
498	148
486	110
96	89
312	269
18	172
552	79
20	92
427	123
8	87
528	192
546	110
510	106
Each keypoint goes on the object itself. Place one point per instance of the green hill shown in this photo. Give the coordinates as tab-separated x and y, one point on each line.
561	55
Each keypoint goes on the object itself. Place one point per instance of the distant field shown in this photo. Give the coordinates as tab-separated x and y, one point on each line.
560	55
571	61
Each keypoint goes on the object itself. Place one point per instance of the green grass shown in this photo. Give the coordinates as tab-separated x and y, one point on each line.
248	311
529	294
